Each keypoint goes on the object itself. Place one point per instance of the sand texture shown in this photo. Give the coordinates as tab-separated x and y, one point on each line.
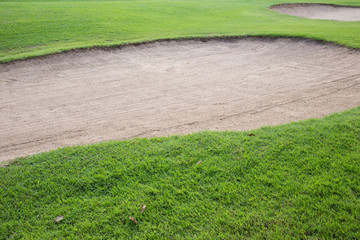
174	87
320	11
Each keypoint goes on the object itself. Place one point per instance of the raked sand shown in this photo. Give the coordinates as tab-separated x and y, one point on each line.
173	87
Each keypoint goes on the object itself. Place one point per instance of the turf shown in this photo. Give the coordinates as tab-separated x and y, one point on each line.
33	28
300	180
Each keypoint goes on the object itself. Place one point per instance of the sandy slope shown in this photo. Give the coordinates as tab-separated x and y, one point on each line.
171	88
319	11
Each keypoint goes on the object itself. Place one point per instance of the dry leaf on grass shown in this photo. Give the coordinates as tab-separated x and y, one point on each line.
143	208
199	162
133	219
59	218
251	134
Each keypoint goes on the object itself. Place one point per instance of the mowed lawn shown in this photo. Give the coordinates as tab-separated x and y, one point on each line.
32	28
296	181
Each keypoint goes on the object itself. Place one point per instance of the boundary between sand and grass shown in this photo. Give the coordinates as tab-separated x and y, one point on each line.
179	39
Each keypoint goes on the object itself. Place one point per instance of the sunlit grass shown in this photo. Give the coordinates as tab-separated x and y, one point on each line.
294	181
32	28
300	180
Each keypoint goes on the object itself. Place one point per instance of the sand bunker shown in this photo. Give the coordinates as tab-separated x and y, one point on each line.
320	11
171	88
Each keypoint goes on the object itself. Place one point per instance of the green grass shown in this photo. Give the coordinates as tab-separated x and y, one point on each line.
33	28
300	180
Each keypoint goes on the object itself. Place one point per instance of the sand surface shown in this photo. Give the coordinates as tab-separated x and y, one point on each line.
173	87
319	11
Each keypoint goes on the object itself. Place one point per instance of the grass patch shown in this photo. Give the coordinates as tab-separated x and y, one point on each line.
33	28
300	180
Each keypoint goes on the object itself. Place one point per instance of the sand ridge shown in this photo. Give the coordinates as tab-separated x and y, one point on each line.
173	87
319	11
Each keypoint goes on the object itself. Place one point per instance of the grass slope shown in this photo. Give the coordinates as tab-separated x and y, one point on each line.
33	28
300	180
